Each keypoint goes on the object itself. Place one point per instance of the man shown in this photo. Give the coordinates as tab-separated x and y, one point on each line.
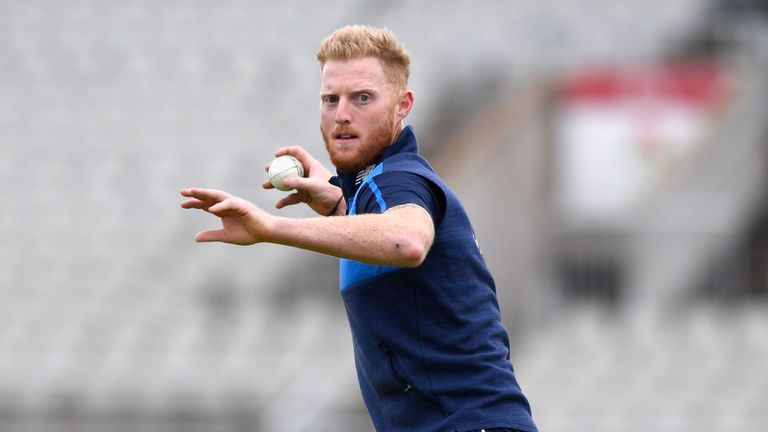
430	350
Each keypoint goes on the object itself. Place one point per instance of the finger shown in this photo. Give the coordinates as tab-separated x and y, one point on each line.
205	194
298	183
189	192
267	185
291	199
210	236
290	150
224	208
194	204
299	153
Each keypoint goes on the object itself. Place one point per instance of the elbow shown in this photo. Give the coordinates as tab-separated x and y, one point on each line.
411	253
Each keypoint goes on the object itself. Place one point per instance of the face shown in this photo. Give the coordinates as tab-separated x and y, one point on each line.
360	111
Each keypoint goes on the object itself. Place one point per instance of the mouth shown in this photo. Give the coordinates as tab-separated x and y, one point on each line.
345	137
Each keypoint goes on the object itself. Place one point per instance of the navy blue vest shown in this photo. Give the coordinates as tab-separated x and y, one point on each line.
430	349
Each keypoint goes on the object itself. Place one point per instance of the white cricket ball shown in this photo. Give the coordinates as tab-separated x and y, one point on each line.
283	167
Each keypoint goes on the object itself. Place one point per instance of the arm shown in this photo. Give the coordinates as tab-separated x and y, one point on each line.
401	236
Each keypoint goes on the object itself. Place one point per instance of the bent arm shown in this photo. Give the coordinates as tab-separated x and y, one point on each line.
402	236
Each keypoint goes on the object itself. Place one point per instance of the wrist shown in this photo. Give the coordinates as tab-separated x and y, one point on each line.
335	208
277	230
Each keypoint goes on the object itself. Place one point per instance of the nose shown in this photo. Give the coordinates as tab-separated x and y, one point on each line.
343	112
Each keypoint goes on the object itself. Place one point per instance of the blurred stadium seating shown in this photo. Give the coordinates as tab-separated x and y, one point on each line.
112	319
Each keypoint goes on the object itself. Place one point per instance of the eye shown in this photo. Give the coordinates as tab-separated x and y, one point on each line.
364	98
330	99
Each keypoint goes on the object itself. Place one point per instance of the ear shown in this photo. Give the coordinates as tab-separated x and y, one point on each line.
404	105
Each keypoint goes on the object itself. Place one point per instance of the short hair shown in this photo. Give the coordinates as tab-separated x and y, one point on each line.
358	41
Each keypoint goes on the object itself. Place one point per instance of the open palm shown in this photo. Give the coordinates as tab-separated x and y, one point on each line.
242	222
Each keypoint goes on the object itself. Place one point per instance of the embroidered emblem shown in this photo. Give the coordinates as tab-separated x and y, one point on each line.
363	174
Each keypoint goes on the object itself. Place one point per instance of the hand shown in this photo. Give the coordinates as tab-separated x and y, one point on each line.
243	222
314	189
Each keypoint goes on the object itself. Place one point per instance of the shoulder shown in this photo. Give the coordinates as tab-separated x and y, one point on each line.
393	187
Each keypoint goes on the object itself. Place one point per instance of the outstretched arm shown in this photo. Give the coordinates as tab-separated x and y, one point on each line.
401	236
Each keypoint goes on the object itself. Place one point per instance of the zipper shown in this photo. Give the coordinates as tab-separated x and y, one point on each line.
406	385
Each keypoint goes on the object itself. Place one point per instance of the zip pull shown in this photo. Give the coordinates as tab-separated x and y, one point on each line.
407	387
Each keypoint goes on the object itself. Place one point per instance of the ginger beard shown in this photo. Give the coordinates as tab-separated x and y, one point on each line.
352	157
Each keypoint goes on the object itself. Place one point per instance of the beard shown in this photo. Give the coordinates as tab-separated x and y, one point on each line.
363	153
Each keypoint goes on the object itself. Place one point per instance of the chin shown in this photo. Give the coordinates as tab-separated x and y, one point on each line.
349	165
352	157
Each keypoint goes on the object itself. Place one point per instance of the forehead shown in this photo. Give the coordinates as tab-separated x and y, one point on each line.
361	72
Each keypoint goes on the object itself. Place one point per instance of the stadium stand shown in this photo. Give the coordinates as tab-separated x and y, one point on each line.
112	319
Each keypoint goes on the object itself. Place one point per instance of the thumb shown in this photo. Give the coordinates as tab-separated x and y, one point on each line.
210	236
291	199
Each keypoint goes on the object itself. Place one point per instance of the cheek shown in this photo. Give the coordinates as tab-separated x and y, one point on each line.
375	118
325	120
